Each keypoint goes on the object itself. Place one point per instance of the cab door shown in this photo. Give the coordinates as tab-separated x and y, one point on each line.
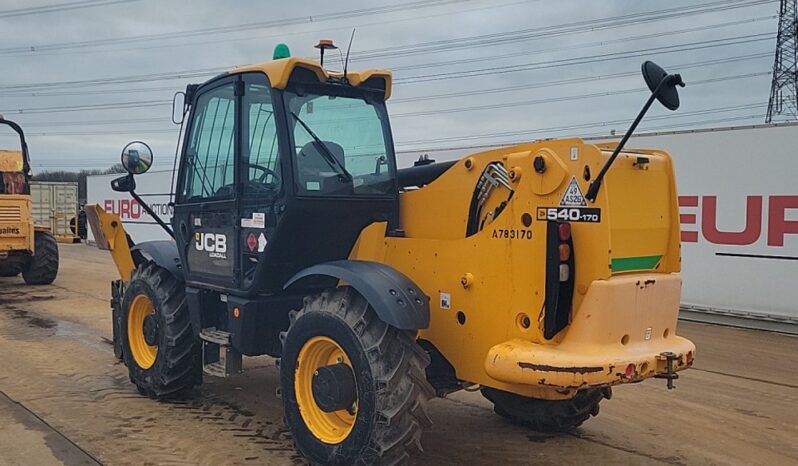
205	220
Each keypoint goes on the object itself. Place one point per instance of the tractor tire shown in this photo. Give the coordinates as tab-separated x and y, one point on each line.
10	271
160	350
386	372
547	415
43	266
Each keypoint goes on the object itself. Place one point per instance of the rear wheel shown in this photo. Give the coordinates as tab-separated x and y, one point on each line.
353	387
547	415
9	271
158	345
43	266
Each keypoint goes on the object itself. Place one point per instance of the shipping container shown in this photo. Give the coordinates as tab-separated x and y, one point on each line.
55	204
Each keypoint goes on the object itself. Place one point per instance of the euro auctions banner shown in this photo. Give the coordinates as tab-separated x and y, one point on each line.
153	187
738	198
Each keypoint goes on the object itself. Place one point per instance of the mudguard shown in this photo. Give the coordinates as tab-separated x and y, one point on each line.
395	298
164	253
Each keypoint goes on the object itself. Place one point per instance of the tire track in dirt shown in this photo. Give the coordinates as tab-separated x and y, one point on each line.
85	394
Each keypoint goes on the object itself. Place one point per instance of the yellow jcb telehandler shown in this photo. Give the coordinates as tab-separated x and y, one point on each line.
25	247
543	273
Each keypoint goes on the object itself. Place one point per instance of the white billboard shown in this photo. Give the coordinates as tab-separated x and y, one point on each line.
153	187
738	198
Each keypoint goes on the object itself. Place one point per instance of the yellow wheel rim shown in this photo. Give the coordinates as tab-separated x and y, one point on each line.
143	353
330	428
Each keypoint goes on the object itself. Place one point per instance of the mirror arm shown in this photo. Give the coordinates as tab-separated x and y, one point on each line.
670	80
152	213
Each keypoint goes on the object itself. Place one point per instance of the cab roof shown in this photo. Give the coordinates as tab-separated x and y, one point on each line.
280	71
11	161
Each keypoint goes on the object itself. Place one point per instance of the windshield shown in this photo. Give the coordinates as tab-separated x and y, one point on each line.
341	145
12	164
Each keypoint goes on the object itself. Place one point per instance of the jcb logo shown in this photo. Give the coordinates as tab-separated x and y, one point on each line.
215	244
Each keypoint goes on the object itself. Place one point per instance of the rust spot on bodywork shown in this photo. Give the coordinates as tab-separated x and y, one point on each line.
546	368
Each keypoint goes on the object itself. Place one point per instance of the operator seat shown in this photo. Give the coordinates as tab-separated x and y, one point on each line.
314	173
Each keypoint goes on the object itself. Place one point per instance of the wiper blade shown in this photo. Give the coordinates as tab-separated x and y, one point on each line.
331	160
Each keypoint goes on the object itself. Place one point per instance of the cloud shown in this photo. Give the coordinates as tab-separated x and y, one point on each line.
58	139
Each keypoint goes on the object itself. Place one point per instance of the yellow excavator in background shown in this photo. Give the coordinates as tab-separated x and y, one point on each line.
25	247
543	273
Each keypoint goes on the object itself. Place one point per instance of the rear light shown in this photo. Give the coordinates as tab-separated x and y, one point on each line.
565	252
565	272
630	370
559	278
564	230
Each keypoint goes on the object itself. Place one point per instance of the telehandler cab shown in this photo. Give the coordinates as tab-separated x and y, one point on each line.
25	247
296	236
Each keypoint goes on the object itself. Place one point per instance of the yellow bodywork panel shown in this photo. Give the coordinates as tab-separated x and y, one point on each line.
484	286
11	161
280	70
16	223
109	233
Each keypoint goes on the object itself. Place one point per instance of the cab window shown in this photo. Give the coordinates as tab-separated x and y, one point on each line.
263	175
341	144
211	146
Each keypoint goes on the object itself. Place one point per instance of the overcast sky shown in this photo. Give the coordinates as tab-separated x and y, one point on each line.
495	70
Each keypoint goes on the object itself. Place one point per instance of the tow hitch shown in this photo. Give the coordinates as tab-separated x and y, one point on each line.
669	373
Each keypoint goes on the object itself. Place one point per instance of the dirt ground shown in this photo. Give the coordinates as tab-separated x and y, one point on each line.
64	399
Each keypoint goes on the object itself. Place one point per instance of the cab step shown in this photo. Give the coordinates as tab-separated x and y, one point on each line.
219	358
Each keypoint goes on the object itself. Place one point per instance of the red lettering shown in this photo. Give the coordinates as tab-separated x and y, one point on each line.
689	236
688	201
109	205
688	219
135	209
778	225
124	208
753	222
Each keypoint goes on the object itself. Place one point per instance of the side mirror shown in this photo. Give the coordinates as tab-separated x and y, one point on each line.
178	107
123	184
662	84
137	158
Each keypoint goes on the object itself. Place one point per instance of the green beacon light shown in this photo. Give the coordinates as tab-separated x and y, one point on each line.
281	51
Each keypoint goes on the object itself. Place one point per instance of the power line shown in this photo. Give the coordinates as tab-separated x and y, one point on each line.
154	103
667	127
427	65
582	45
79	108
79	5
391	8
583	26
514	133
522	103
493	6
434	111
699	45
561	82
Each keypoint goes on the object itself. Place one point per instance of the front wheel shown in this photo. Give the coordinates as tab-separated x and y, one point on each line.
353	387
158	345
43	266
547	415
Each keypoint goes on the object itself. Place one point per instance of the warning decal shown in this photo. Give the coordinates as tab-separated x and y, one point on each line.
573	195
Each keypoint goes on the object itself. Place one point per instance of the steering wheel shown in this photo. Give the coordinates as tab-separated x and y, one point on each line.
271	186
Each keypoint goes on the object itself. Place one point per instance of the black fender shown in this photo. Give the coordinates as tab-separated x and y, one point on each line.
164	253
395	298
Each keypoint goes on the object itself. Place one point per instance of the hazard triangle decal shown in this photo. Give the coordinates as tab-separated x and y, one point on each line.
573	195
